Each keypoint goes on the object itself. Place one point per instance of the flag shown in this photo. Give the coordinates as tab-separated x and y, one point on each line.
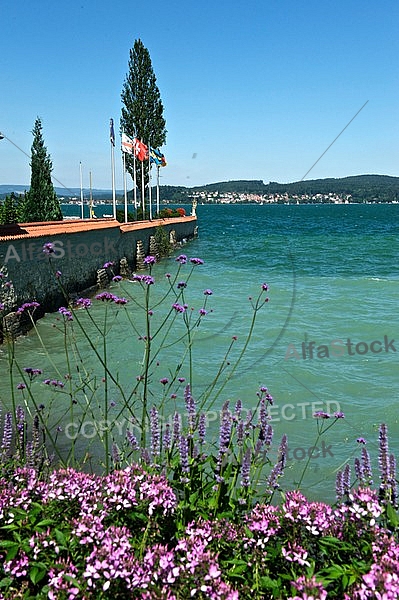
157	157
112	132
127	144
140	150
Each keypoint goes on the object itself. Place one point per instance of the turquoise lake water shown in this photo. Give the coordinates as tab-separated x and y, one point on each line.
334	289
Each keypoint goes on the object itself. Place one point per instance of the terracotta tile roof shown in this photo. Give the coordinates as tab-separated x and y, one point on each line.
50	228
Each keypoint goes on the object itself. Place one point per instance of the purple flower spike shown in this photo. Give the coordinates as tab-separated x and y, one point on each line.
245	468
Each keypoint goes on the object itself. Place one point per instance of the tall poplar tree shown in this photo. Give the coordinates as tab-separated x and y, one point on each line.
40	202
142	110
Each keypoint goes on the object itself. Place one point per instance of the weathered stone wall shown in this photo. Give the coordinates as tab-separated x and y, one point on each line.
27	274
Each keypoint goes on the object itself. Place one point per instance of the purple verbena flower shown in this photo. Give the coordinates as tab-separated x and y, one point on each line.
108	264
66	313
150	260
27	306
320	414
181	285
182	259
83	302
208	292
117	278
48	248
179	307
196	261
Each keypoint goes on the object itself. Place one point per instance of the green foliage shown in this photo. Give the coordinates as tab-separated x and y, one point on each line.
9	210
40	202
142	110
162	240
120	216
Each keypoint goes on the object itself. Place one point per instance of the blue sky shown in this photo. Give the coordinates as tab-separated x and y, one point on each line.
250	91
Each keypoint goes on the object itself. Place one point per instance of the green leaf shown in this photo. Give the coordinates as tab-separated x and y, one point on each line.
45	523
37	573
392	516
60	537
6	582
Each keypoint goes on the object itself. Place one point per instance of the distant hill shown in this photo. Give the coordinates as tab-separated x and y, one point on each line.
362	188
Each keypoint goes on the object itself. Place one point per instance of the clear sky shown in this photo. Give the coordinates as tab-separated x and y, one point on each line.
255	90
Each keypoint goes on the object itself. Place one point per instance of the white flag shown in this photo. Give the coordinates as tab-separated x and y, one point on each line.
127	144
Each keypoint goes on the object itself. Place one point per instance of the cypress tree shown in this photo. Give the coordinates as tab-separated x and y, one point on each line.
40	202
142	110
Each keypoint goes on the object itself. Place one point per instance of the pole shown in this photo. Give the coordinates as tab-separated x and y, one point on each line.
149	180
142	188
124	184
81	190
135	183
158	168
113	181
91	198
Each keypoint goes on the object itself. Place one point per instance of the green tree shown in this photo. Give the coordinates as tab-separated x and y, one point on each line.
142	110
40	202
9	210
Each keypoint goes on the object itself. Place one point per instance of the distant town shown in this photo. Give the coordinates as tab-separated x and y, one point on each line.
370	189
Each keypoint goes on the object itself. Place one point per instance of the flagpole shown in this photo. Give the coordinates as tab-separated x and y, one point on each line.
81	190
112	140
113	181
91	198
134	182
158	168
142	188
124	184
149	180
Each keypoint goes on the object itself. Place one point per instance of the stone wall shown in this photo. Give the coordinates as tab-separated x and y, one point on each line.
80	249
